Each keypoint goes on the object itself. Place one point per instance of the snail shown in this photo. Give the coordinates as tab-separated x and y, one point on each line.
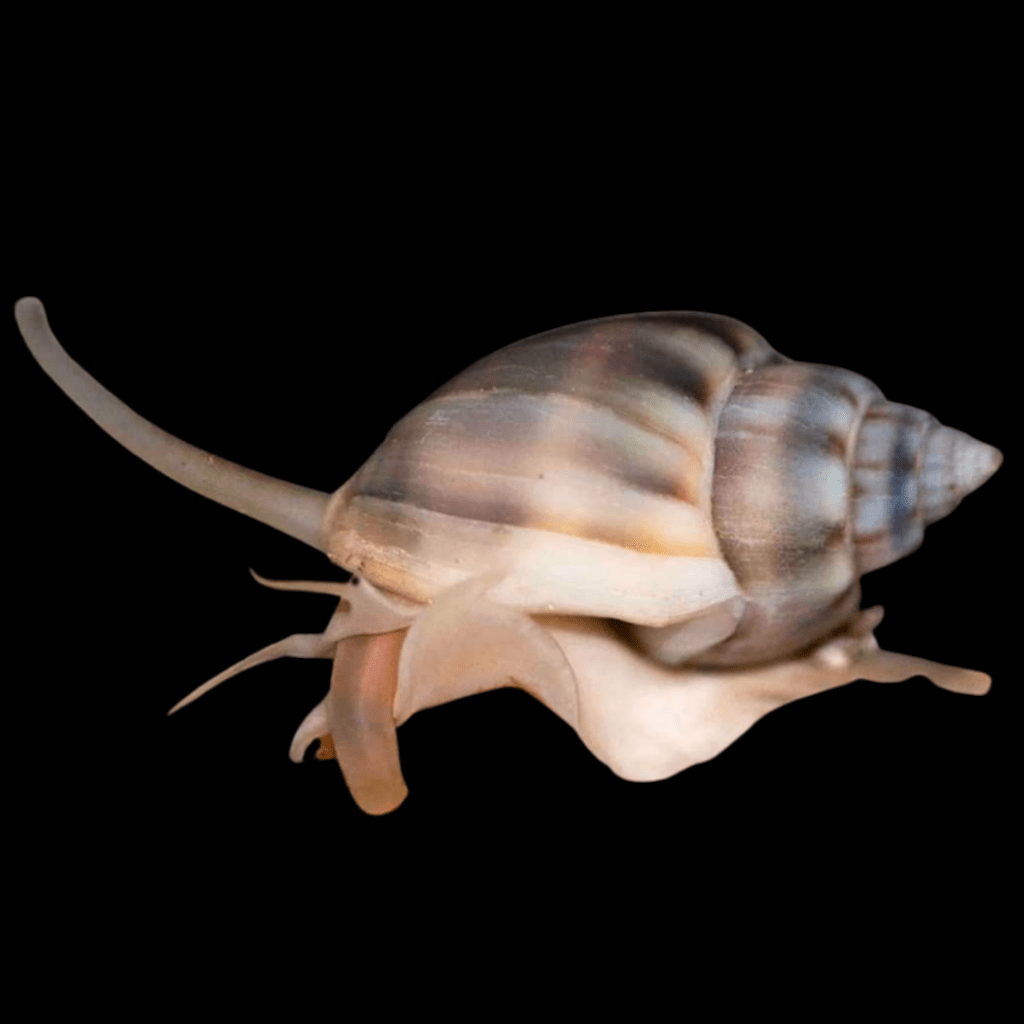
653	523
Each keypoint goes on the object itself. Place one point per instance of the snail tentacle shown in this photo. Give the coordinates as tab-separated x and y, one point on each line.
295	510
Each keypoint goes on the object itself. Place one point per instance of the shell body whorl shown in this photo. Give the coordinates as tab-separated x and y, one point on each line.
583	456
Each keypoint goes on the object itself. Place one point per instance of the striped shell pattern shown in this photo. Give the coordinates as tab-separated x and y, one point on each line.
654	523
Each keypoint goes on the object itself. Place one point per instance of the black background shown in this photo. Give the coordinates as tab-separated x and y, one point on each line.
286	319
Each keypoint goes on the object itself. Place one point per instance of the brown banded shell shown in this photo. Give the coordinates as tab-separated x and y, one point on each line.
654	523
676	453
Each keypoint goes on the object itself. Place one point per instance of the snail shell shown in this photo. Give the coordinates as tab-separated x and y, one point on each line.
656	469
654	523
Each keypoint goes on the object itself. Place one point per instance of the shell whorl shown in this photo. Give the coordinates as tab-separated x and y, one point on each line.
909	471
819	480
786	438
584	454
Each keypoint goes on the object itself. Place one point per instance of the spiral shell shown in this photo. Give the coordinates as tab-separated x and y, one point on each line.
656	468
654	523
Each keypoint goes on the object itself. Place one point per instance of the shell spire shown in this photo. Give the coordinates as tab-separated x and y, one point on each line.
909	471
954	464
